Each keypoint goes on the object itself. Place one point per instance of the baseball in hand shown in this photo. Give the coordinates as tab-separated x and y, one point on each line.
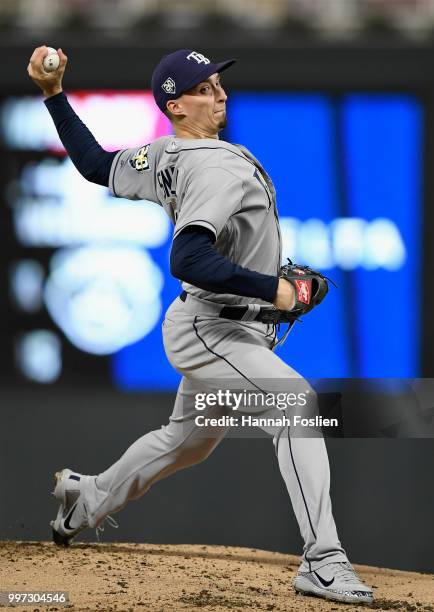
51	60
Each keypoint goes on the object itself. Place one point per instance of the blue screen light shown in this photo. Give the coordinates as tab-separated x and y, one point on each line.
383	143
348	175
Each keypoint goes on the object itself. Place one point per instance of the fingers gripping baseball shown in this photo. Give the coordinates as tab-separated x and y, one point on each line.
49	82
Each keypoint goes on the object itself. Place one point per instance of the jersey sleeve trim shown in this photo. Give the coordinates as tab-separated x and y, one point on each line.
201	222
113	173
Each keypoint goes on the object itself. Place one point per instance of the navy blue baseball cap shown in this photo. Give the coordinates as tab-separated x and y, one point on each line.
178	72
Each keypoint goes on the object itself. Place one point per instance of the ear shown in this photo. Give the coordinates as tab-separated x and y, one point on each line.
175	107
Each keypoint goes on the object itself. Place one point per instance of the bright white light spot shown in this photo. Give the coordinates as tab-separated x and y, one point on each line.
384	247
104	298
117	120
38	356
348	239
346	243
315	246
59	208
26	281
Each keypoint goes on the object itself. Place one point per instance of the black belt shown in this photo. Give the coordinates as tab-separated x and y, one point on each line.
236	313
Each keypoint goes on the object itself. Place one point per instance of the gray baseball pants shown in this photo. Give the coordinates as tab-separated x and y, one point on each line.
203	347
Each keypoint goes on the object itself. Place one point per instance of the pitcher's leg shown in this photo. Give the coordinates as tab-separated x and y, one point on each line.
304	466
302	454
152	457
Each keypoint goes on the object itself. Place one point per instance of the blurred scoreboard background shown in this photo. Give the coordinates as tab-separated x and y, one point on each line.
85	276
336	98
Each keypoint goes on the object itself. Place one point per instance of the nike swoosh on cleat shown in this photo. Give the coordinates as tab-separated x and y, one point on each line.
66	523
324	582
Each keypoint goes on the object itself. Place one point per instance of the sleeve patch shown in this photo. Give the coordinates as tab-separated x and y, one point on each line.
140	160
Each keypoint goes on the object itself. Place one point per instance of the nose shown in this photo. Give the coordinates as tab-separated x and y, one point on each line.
221	94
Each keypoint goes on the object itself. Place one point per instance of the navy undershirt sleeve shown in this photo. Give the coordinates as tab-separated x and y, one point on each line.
87	155
194	259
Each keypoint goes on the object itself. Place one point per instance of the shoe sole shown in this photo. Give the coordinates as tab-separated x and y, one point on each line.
305	587
59	539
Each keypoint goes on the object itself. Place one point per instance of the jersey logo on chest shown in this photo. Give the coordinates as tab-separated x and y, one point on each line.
167	181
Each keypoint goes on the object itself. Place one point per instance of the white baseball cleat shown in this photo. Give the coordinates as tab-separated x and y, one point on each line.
71	517
336	581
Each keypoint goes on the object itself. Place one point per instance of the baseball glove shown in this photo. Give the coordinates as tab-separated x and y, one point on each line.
310	286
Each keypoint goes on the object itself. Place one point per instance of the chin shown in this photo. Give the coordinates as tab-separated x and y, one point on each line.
222	123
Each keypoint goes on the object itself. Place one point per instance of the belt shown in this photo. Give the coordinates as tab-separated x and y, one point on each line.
250	312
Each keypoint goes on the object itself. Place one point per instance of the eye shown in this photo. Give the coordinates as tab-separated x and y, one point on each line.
204	89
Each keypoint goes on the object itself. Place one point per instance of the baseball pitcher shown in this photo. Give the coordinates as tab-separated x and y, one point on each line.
226	251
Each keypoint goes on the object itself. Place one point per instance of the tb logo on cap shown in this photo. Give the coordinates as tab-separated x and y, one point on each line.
200	59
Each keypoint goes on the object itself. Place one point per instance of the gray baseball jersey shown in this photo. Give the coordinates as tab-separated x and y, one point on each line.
224	188
214	184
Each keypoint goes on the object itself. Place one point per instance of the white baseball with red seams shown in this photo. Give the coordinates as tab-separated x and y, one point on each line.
51	60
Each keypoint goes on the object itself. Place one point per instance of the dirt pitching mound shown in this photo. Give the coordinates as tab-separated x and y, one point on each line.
139	577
